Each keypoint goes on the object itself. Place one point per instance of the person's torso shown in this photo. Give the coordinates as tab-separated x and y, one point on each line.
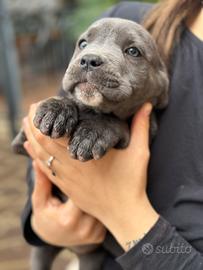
175	182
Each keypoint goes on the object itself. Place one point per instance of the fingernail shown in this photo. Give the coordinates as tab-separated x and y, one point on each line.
147	109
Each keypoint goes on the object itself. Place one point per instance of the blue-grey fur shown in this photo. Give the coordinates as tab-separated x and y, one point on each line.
104	87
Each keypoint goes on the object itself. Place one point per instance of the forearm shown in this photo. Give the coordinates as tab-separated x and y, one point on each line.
149	241
129	224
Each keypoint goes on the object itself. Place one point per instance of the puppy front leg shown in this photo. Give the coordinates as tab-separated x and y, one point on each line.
43	257
56	117
93	137
17	144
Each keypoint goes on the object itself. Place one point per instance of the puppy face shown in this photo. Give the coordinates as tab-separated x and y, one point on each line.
116	68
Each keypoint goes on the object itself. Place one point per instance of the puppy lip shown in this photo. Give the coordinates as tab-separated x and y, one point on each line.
76	84
83	85
88	94
88	89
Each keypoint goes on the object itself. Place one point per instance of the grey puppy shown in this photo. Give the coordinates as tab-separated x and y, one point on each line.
115	69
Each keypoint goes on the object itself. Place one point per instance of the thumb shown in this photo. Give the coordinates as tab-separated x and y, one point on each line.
42	188
71	209
140	126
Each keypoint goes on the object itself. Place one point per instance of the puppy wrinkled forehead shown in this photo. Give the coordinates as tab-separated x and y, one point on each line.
116	27
119	31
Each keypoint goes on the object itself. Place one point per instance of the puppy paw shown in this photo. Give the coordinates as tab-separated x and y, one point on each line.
56	117
90	142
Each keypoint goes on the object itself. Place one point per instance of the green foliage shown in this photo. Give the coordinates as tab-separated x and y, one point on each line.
86	12
144	1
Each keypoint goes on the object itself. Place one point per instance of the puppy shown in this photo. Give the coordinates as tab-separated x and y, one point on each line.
115	69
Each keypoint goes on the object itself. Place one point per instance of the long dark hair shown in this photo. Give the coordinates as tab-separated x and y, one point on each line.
165	23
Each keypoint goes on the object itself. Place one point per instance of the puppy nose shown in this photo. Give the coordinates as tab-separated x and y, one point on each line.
90	62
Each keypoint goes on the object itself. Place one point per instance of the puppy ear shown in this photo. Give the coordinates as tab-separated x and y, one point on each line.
62	92
163	82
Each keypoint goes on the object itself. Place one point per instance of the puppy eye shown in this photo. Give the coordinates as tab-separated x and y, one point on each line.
133	51
82	44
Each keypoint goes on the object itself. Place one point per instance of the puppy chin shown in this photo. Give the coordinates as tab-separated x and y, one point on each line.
90	98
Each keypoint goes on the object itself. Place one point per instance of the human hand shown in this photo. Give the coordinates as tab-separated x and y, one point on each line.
61	224
112	189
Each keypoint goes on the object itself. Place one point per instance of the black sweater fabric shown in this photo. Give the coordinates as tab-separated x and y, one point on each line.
175	179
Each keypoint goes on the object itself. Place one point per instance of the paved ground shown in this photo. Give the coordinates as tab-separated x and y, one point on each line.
14	252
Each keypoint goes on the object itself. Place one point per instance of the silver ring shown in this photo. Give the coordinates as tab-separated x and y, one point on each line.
49	164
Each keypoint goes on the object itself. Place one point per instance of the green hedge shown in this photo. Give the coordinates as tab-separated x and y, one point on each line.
87	11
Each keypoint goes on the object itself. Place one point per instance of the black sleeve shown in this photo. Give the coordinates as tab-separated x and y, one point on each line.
162	249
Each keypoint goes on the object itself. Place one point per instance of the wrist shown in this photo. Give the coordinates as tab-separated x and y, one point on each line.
130	224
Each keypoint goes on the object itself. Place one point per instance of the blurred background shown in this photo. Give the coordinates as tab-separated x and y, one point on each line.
36	42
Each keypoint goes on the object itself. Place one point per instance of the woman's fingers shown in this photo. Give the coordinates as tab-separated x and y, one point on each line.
60	223
70	207
50	173
70	215
42	147
29	149
43	144
54	174
89	229
34	148
61	141
140	128
42	189
37	151
99	233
